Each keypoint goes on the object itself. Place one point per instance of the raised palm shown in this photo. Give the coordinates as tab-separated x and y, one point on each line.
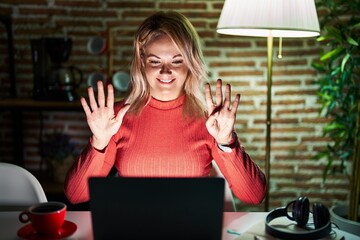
100	115
222	114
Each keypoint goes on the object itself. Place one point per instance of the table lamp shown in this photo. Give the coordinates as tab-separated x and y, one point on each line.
269	18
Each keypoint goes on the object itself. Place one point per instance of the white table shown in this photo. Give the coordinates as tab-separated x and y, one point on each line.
236	221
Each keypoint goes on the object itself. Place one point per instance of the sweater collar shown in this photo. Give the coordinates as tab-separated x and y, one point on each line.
165	105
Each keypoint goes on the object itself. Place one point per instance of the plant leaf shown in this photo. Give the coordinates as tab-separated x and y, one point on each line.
355	25
351	41
322	38
318	66
334	33
344	61
330	54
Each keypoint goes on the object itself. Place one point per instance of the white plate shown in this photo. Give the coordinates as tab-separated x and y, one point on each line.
120	81
96	45
94	78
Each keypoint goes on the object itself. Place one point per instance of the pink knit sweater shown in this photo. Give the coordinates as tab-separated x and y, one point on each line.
161	143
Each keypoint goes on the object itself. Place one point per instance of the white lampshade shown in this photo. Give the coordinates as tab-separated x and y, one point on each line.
263	18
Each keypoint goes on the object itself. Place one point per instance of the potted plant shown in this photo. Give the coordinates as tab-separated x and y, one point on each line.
58	151
339	93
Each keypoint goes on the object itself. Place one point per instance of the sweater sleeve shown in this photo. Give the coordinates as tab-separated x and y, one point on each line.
90	163
244	177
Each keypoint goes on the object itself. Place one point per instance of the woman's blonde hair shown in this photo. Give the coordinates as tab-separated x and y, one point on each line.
185	37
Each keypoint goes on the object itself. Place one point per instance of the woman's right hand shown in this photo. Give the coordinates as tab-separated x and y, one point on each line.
100	115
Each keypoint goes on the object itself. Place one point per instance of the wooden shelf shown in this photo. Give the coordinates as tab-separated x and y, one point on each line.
28	104
19	105
16	106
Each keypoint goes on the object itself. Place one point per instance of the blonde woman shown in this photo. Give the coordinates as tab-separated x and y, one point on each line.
164	128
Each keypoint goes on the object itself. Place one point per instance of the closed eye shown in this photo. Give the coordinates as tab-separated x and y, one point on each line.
154	62
178	61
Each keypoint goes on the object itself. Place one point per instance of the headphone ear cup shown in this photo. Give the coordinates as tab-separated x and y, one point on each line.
301	211
321	215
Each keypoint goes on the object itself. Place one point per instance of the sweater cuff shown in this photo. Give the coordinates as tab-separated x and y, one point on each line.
98	150
228	147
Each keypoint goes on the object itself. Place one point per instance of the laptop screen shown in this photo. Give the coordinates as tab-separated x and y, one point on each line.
157	208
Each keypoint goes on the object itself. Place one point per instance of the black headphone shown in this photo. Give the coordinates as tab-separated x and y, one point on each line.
300	214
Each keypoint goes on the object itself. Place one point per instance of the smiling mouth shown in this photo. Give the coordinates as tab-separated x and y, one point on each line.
166	81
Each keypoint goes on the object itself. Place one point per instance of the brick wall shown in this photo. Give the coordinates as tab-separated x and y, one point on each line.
241	61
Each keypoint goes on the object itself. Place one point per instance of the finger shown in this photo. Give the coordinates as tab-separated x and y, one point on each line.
110	96
211	121
92	100
85	107
208	98
120	115
227	97
101	94
235	104
218	94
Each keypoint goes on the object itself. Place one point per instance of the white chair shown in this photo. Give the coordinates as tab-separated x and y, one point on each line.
18	188
229	201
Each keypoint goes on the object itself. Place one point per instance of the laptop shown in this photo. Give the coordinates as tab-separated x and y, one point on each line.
156	208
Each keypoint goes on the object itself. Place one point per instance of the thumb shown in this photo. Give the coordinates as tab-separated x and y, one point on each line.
120	115
211	121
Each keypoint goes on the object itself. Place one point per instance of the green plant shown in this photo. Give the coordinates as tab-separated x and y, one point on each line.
57	146
339	88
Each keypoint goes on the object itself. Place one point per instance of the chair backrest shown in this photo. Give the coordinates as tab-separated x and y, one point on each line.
18	188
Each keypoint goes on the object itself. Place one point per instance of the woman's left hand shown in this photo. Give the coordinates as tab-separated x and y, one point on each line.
222	114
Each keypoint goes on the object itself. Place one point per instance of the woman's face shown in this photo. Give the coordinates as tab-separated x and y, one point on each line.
165	69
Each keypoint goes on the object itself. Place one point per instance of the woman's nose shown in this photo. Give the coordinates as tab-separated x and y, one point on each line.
165	69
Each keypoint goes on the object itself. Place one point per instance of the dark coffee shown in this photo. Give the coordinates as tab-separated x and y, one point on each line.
46	209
